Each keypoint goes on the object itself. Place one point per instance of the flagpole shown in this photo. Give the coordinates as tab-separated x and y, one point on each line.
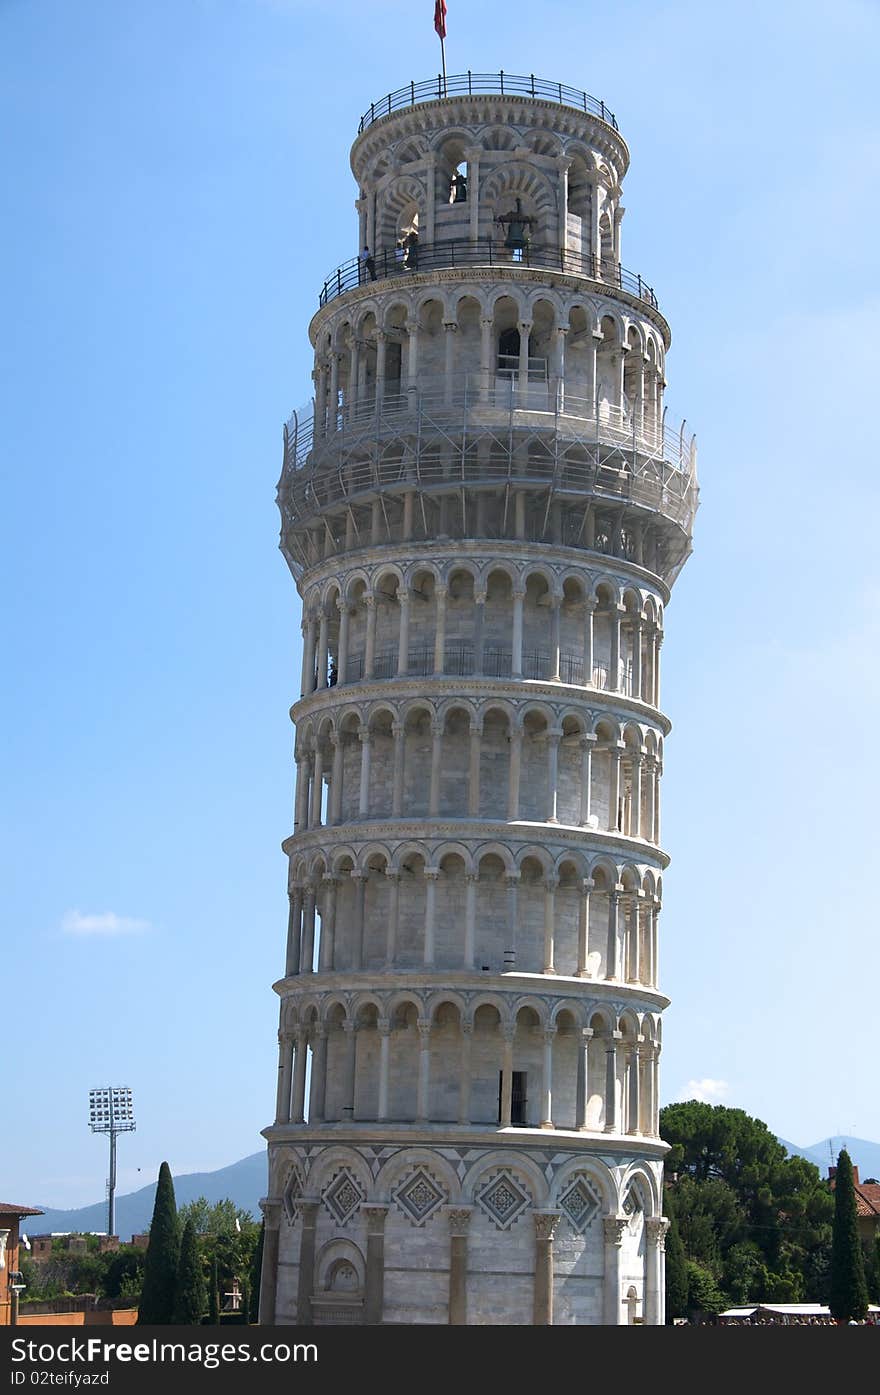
443	61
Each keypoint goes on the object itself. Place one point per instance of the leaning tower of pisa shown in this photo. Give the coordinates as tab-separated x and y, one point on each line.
484	511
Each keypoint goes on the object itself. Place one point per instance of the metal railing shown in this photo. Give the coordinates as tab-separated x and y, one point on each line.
483	251
459	662
469	401
499	84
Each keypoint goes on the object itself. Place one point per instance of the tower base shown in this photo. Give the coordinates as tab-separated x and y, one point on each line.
515	1229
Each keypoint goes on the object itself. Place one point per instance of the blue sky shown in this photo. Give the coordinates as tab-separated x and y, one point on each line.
176	187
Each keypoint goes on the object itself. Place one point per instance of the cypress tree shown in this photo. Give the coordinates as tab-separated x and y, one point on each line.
849	1292
163	1251
676	1274
190	1299
214	1295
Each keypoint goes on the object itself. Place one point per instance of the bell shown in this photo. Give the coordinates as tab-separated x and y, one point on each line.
516	236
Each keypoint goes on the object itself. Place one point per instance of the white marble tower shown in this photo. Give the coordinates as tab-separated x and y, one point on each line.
484	513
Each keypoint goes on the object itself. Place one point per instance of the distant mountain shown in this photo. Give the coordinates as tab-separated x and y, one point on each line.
864	1155
244	1182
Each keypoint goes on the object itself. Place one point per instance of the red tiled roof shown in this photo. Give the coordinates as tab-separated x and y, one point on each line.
7	1209
868	1199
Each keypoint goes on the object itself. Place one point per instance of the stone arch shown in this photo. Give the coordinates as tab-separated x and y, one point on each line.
403	199
333	1159
333	1260
503	1160
597	1172
410	1158
495	850
329	1005
640	1175
540	854
451	849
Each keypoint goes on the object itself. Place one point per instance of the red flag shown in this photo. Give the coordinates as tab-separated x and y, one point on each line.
440	18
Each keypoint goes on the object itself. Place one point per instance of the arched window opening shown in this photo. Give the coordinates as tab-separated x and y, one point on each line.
508	353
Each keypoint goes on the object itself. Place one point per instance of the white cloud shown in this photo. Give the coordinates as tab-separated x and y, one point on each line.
106	923
706	1091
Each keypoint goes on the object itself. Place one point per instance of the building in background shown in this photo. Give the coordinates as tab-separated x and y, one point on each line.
484	513
11	1284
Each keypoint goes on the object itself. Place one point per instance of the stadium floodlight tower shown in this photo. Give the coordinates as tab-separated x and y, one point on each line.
484	513
111	1111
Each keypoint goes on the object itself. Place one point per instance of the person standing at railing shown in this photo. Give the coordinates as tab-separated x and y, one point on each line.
412	250
399	255
368	266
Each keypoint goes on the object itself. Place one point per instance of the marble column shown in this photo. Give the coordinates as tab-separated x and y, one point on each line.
384	1028
403	598
399	733
550	885
516	739
554	736
285	1066
547	1080
364	796
294	923
349	1070
334	808
545	1228
308	1214
328	924
506	1079
586	744
612	949
583	1078
655	1293
374	1285
431	876
269	1271
370	640
424	1079
472	881
393	918
317	1094
436	755
357	930
611	1082
586	887
459	1224
614	1230
297	1113
439	630
464	1090
517	638
476	734
308	931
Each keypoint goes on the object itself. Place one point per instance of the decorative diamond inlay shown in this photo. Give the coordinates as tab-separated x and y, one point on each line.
503	1199
292	1191
343	1196
633	1207
419	1196
580	1204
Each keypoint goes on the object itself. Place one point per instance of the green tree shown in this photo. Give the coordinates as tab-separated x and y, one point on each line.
754	1218
676	1274
849	1293
125	1273
190	1300
163	1253
704	1295
214	1295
